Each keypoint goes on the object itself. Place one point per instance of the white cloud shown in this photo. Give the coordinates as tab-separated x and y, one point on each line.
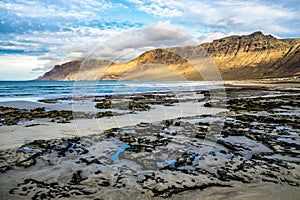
59	9
119	48
76	55
139	2
160	34
158	7
49	60
130	44
70	46
160	11
211	36
81	36
48	56
115	46
19	67
232	15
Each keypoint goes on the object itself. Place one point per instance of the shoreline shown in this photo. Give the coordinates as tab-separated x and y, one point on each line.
20	134
159	148
222	84
82	119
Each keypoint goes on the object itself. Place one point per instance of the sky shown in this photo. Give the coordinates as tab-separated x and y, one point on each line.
38	34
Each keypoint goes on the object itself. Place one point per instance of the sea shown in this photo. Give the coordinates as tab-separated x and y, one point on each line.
37	90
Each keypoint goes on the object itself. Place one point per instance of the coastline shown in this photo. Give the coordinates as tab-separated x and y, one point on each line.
19	135
169	150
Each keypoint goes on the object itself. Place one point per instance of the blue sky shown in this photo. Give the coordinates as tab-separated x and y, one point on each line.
35	35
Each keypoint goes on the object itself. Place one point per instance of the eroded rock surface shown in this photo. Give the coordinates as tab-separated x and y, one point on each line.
256	141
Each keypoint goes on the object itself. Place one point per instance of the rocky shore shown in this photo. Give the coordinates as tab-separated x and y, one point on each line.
255	144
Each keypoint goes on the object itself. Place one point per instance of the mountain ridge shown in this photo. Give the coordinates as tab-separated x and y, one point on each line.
252	56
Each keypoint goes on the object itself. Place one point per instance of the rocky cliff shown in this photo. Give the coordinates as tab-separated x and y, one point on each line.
236	57
255	56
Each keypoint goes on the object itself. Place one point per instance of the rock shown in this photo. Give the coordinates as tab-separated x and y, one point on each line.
104	104
138	106
168	123
260	146
105	114
39	109
205	93
27	160
5	168
63	121
200	135
207	104
76	178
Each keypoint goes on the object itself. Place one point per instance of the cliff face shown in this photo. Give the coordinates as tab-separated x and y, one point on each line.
60	72
73	70
236	57
255	56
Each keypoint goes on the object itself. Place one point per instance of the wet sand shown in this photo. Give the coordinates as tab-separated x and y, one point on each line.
168	147
15	136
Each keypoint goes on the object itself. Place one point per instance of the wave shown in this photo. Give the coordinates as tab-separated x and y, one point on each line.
53	89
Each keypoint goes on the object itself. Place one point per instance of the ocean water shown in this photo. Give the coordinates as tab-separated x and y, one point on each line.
35	90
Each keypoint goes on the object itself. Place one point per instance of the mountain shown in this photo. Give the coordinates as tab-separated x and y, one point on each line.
72	70
233	58
255	56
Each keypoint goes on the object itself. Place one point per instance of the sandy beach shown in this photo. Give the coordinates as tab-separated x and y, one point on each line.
15	136
188	145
